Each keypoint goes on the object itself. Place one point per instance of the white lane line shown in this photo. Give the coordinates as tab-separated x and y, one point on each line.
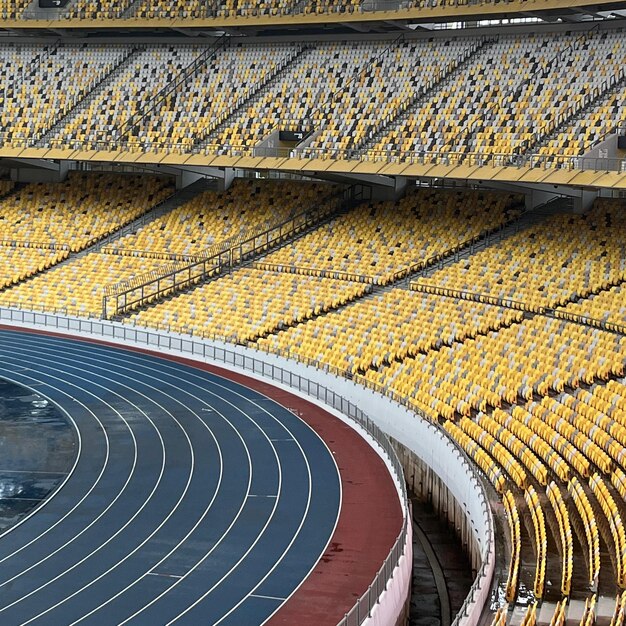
145	358
114	411
258	595
100	360
144	504
239	410
164	575
78	457
27	471
204	379
259	495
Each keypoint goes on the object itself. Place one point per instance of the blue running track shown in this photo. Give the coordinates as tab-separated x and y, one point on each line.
193	500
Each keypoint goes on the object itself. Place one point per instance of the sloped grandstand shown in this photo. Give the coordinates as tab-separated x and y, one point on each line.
420	203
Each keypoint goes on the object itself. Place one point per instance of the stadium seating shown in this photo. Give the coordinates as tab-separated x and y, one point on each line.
608	307
496	450
592	534
540	538
356	97
505	100
210	218
560	449
539	439
612	514
12	9
513	521
565	532
516	447
367	83
554	414
20	262
193	110
93	9
46	89
478	455
454	379
76	287
319	73
388	327
383	241
207	8
80	210
113	103
549	264
248	304
594	124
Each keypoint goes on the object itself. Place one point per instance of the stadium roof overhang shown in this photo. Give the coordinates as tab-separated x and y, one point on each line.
550	11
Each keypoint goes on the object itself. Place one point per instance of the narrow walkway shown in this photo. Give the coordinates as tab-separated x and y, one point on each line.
442	576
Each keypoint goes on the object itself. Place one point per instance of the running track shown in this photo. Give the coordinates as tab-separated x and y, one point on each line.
193	499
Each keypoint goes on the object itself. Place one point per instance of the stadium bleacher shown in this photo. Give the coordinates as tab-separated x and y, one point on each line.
384	99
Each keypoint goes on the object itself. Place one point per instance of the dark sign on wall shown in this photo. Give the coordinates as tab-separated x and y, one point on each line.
52	4
291	135
621	142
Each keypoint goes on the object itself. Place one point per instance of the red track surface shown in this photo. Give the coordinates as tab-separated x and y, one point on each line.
370	518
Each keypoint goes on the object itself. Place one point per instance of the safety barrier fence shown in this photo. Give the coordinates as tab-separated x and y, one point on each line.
127	295
400	157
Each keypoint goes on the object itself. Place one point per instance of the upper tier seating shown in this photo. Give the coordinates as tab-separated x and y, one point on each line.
44	90
389	100
367	82
12	9
391	236
512	94
189	113
116	101
548	264
206	8
249	206
94	9
581	135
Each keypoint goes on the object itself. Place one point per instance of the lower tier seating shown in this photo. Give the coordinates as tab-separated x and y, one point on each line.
507	365
248	304
548	264
388	327
20	263
76	287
